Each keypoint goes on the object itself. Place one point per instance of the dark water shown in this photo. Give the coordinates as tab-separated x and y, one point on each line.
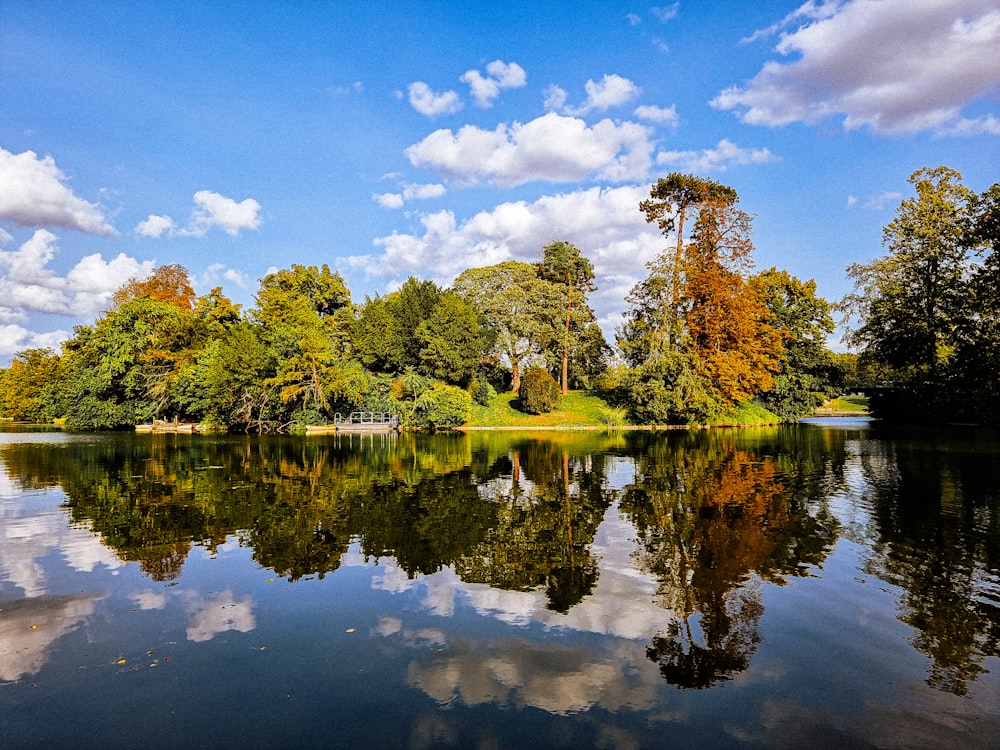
830	584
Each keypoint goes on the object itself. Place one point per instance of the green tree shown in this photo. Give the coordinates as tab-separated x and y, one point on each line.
590	358
804	320
235	379
23	395
375	337
306	314
455	339
670	390
563	264
977	359
126	365
442	406
512	298
216	313
411	305
644	338
909	303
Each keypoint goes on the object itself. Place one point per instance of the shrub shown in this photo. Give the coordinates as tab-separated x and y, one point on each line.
442	406
539	392
482	391
613	416
670	391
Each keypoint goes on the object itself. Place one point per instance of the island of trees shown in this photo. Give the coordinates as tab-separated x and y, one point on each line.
704	337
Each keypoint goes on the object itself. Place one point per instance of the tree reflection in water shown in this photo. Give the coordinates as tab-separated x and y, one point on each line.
718	514
548	510
713	519
936	522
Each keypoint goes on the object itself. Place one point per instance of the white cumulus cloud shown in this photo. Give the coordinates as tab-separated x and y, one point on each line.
213	210
718	159
883	200
217	272
15	338
552	147
893	66
389	200
666	12
428	102
659	115
27	284
499	75
216	210
156	226
33	193
410	193
611	91
605	223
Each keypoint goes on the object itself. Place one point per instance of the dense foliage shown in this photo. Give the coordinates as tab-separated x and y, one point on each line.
702	335
925	315
539	392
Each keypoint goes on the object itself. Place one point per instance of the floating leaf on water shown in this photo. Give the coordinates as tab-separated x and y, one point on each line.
121	661
350	630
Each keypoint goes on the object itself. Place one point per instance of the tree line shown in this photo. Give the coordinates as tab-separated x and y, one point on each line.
925	317
703	334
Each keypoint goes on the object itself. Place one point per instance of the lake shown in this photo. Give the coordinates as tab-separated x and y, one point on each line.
830	584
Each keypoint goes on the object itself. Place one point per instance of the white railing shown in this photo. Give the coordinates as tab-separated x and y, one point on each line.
366	417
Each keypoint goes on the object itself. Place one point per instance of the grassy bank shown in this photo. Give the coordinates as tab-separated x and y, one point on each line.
850	405
581	409
576	409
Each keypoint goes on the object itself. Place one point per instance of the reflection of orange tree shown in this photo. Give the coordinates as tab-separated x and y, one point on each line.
711	517
548	511
936	517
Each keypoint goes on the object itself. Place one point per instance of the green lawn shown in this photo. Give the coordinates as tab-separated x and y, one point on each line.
576	409
847	405
582	409
858	404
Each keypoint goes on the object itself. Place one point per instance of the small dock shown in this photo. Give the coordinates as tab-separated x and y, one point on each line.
161	425
365	422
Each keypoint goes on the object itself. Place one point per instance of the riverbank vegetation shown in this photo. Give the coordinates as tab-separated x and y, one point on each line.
925	317
706	338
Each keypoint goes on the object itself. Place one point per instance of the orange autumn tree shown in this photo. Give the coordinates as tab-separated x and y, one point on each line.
730	331
697	338
673	199
170	283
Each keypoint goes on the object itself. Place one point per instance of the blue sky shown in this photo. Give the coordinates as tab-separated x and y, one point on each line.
391	139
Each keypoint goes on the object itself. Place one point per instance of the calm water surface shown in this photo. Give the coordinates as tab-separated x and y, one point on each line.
829	584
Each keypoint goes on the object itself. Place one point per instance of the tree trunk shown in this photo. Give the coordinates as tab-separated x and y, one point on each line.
675	284
565	355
